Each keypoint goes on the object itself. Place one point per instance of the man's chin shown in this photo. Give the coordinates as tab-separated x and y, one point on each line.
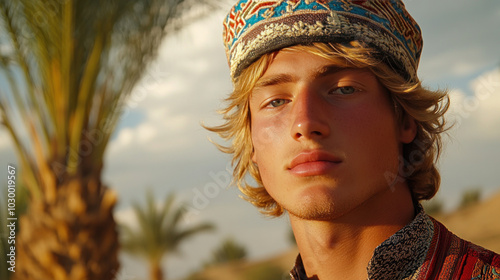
319	209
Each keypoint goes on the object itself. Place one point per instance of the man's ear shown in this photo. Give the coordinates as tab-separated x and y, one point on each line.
254	157
408	129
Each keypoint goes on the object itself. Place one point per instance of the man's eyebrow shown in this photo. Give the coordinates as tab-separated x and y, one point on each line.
328	70
288	78
274	80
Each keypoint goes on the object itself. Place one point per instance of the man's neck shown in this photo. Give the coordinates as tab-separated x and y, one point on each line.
342	248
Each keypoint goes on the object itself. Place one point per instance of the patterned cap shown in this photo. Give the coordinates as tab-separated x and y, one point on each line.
256	27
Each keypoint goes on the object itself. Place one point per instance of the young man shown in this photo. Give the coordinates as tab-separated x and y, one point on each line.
330	119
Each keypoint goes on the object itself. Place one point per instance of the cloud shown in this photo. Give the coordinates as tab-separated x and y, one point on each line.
478	113
5	142
458	38
126	217
436	63
183	88
472	154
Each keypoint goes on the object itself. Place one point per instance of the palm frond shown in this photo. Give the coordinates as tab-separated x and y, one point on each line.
159	230
186	233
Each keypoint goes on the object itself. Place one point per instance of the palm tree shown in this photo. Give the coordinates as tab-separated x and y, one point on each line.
159	232
67	67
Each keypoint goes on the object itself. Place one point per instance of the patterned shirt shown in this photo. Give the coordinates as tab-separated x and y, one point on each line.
425	249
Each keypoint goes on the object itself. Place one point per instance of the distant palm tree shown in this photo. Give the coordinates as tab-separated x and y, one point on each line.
159	232
66	68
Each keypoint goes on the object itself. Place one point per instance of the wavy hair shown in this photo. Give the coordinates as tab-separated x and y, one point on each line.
418	159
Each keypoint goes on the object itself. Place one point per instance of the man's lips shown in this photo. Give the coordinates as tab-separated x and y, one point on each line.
311	163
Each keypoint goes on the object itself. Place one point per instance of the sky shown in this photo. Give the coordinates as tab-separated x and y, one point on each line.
161	145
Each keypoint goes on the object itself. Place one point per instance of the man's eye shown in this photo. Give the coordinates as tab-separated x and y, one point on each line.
277	102
344	90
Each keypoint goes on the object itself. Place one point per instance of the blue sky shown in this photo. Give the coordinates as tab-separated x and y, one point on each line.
161	145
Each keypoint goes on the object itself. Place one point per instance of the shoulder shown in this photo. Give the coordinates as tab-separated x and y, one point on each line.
481	263
461	259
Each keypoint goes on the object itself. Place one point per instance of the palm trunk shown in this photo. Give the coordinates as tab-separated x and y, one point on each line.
156	272
71	235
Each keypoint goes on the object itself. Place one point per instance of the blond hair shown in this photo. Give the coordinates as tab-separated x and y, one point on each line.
419	157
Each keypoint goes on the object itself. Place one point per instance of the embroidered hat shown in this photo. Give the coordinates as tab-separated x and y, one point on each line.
256	27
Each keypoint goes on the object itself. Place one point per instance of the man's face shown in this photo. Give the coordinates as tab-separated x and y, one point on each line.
324	137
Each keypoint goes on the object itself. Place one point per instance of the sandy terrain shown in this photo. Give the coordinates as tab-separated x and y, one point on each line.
478	223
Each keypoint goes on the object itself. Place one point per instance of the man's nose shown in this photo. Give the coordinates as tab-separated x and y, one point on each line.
309	116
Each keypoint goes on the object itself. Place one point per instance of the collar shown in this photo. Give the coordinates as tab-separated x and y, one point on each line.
398	257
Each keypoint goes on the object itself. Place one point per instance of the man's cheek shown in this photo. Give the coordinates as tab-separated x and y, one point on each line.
265	134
